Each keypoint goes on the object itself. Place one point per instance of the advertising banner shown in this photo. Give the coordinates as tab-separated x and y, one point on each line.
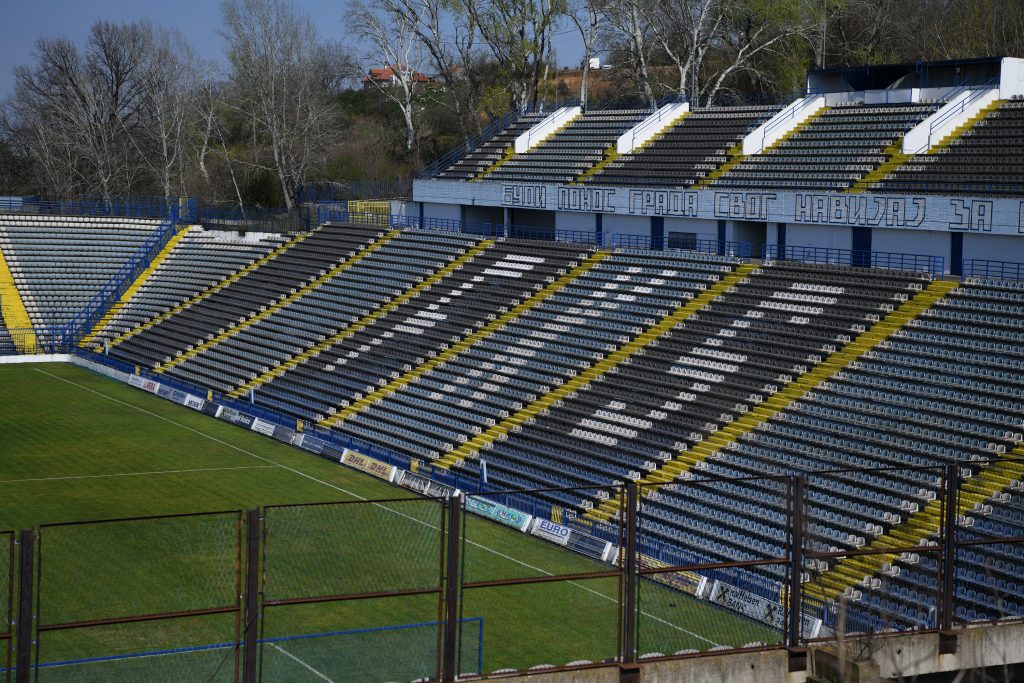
263	427
310	443
422	485
194	402
369	465
556	533
588	545
499	513
688	582
756	607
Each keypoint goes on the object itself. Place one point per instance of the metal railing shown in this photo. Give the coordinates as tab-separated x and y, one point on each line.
248	584
994	270
740	250
976	92
935	265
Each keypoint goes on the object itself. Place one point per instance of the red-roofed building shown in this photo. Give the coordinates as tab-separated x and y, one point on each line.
387	77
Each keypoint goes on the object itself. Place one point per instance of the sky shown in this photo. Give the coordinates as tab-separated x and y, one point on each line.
23	21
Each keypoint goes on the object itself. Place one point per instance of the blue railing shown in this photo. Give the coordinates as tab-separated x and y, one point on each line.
127	206
708	246
935	265
467	146
111	291
993	270
345	190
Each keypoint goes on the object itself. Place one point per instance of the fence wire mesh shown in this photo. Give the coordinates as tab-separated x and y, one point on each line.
139	599
352	591
348	549
6	602
713	561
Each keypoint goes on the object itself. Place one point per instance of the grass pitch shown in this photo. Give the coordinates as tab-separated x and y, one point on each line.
76	446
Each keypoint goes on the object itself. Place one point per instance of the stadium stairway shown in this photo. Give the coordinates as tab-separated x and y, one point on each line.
740	157
776	403
134	287
468	341
208	292
511	152
610	155
736	157
918	528
601	367
280	303
367	320
894	158
14	313
967	125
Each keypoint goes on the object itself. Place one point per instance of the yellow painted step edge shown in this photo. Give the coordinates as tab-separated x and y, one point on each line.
281	303
211	291
778	402
15	314
135	286
366	320
466	342
601	367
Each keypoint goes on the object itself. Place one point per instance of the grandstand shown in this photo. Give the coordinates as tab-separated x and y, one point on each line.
828	429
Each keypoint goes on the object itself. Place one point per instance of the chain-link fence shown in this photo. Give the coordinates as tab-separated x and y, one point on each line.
139	599
353	591
419	588
6	603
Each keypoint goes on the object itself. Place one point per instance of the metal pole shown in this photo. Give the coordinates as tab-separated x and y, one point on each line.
629	606
796	564
26	564
250	642
451	587
952	477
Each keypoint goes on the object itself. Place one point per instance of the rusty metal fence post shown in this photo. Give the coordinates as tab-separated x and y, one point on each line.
452	586
26	566
947	641
250	639
794	627
629	602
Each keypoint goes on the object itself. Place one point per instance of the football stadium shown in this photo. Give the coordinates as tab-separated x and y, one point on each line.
664	391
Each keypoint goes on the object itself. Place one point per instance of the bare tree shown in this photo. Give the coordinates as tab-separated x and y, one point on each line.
518	33
630	21
686	30
391	42
173	81
587	16
281	76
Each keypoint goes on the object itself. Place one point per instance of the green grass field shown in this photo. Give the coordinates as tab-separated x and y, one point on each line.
76	446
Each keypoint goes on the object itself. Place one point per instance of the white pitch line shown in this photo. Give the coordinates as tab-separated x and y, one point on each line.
139	474
315	672
359	497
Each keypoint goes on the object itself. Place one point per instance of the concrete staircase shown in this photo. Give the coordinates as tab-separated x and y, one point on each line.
471	447
465	343
795	390
134	287
366	320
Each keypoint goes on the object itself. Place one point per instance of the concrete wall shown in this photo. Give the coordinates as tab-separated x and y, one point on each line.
569	220
447	211
911	242
994	247
819	236
627	225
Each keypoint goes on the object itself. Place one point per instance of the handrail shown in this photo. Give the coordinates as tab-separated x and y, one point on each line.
958	109
934	265
790	110
468	145
995	270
